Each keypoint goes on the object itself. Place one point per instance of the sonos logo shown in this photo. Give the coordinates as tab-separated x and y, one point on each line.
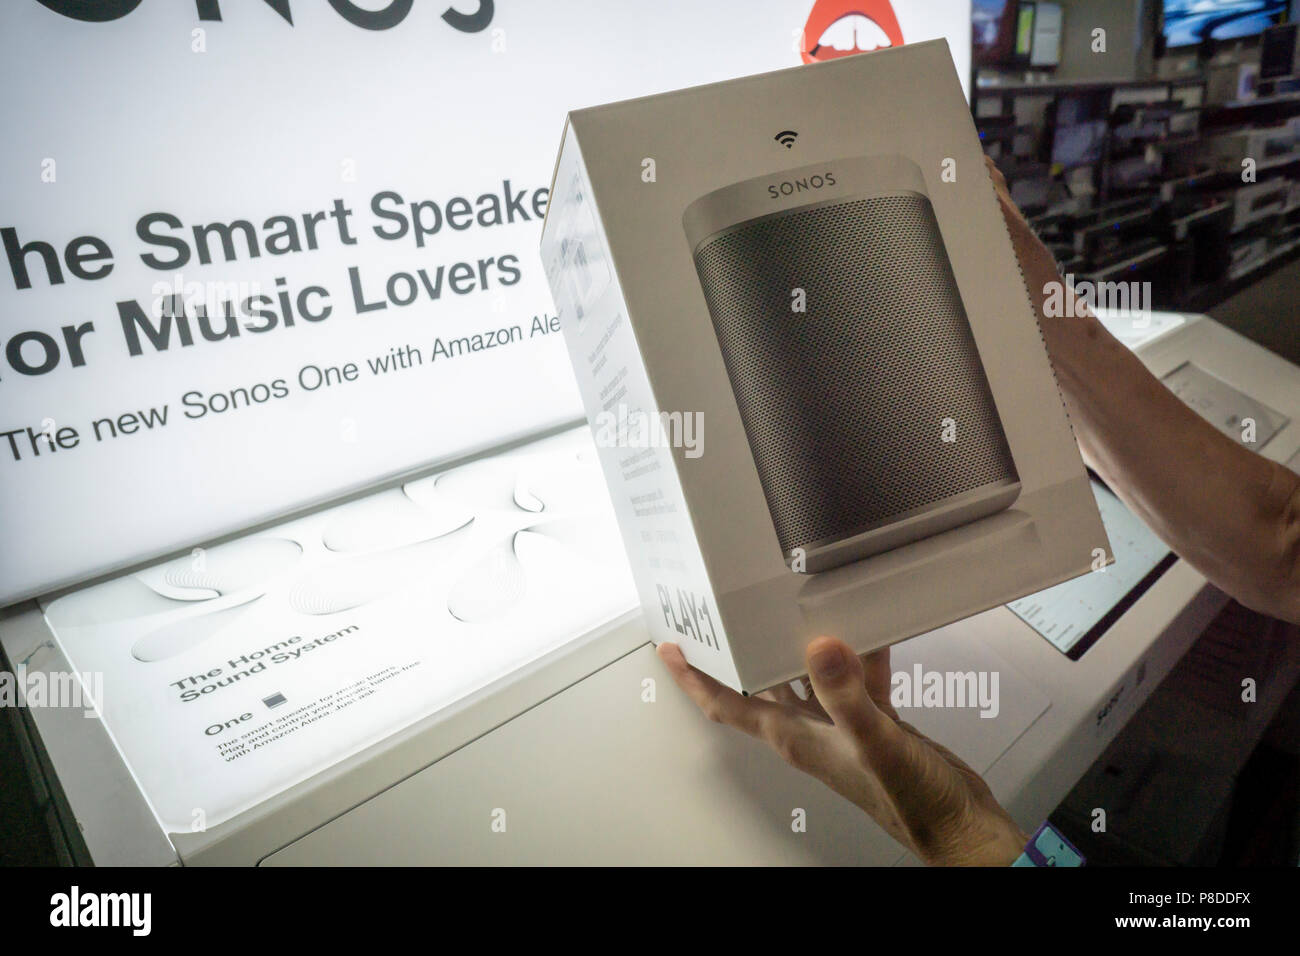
103	11
792	186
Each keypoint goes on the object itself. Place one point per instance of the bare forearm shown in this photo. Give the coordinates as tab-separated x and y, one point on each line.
1227	511
1231	513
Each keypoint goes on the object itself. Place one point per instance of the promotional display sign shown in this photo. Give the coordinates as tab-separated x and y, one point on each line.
818	386
227	675
287	249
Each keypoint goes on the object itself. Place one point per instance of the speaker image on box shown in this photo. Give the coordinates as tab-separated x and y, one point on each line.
852	361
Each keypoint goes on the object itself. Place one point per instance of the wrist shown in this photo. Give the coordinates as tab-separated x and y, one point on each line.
1007	847
995	840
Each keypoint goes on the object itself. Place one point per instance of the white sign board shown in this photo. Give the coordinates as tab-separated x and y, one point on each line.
257	255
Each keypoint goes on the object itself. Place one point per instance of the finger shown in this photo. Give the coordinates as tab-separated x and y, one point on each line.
1000	187
1009	208
756	717
878	679
785	729
839	679
782	694
785	694
899	762
999	181
875	667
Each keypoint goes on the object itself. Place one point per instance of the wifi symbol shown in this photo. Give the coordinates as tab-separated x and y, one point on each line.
786	138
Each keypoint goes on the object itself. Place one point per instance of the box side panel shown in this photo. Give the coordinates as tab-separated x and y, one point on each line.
634	438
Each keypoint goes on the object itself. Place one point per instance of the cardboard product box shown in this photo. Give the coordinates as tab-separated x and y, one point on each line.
817	385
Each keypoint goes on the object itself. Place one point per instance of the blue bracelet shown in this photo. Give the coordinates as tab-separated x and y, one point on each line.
1047	847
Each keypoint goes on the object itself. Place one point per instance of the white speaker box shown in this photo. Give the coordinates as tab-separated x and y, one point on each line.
817	386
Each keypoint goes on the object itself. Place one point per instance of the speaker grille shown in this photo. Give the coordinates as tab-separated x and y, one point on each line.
843	404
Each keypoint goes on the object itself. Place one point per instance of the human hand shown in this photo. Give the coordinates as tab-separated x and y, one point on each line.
1036	260
850	738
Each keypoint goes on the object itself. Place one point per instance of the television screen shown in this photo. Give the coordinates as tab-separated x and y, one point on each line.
1080	123
1046	47
993	31
1079	145
1189	22
1025	31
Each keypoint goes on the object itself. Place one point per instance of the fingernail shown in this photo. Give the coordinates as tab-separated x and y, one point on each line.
828	663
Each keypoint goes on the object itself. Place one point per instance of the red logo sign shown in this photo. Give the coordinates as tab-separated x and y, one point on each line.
838	28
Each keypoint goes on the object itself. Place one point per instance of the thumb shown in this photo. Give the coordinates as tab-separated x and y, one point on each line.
838	678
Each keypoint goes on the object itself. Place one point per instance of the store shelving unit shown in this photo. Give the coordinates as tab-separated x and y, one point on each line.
1137	181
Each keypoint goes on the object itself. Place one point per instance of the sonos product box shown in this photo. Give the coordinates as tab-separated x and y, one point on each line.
817	386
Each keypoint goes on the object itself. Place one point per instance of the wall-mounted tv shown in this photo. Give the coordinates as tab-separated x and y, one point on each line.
1024	46
1192	22
1015	33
